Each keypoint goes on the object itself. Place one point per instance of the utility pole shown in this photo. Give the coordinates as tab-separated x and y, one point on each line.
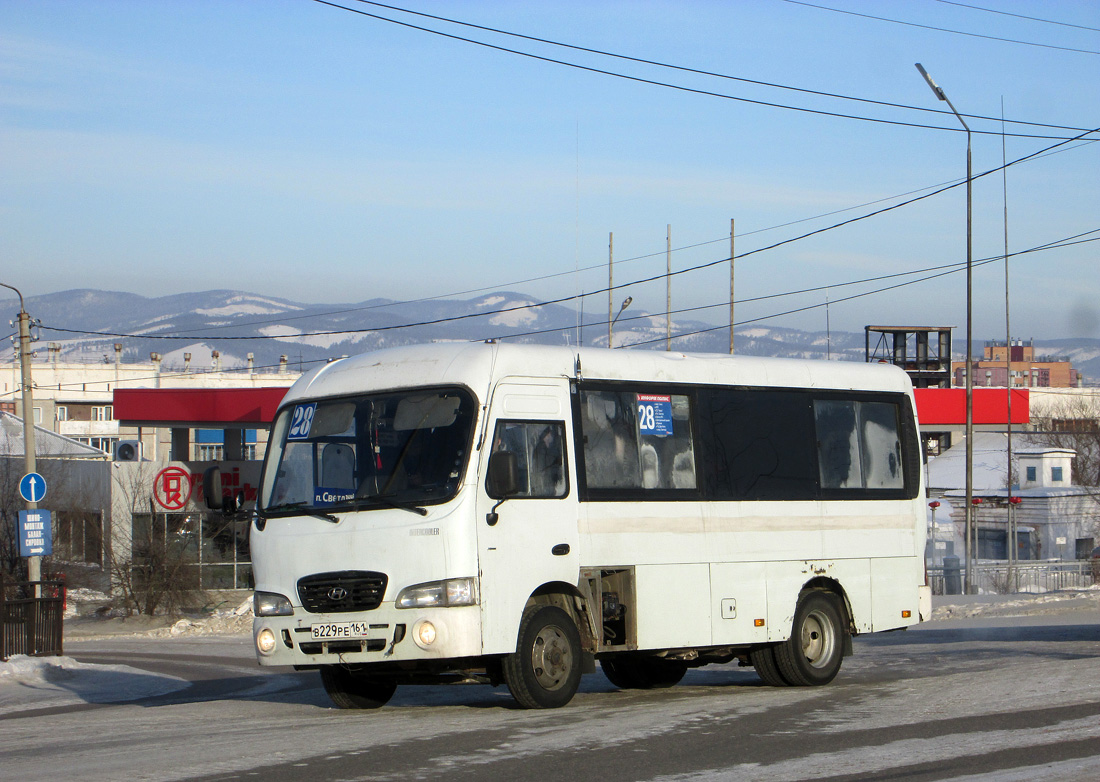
34	564
668	288
612	316
610	287
731	286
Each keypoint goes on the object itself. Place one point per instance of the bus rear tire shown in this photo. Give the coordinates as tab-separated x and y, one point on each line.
643	673
763	660
349	691
812	655
545	670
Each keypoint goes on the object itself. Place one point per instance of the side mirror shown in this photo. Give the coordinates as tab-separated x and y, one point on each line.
502	482
212	488
212	492
503	479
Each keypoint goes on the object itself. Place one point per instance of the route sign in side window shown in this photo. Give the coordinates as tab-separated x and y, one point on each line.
637	440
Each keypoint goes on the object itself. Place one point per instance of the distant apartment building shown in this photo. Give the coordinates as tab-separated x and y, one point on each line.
76	400
1018	362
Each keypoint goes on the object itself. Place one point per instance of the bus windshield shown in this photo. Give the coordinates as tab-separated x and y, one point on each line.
384	450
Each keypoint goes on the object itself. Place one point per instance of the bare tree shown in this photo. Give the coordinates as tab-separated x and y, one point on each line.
153	556
12	566
1074	423
66	493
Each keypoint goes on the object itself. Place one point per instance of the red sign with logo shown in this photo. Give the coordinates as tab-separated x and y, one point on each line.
175	487
172	488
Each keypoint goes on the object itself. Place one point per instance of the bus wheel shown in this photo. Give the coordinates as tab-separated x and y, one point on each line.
813	653
545	670
349	691
643	673
763	660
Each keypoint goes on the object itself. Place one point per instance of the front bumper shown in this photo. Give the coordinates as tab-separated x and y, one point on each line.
394	635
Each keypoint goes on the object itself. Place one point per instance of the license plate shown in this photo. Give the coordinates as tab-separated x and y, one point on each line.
334	631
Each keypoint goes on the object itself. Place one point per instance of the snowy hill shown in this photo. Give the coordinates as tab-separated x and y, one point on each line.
237	323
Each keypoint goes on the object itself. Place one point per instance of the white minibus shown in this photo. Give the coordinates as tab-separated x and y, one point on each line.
513	514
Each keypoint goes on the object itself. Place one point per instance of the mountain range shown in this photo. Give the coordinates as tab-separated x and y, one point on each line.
86	324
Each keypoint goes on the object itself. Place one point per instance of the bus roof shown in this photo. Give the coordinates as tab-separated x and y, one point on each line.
477	364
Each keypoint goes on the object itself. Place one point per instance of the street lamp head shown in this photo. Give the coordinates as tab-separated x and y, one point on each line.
623	306
935	87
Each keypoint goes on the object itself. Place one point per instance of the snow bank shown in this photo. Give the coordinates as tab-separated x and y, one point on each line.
47	682
1020	604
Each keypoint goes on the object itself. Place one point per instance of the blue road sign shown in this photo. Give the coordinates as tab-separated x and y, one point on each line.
35	533
32	487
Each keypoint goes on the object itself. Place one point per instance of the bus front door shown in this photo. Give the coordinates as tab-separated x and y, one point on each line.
530	540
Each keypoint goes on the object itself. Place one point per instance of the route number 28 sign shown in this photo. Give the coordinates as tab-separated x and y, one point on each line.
655	414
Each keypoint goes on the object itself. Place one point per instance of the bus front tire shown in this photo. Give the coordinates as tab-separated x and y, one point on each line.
349	691
643	673
545	670
813	654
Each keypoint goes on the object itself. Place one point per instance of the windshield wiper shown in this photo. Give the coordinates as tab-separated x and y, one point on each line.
286	506
384	499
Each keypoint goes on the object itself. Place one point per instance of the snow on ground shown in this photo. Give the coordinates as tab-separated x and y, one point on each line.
284	333
46	682
989	606
520	317
241	309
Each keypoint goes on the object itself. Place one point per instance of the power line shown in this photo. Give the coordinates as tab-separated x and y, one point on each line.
535	305
944	269
668	85
600	264
696	71
166	375
940	29
941	271
1049	246
1020	16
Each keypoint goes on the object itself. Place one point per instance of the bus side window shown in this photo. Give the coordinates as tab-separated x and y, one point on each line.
540	455
859	445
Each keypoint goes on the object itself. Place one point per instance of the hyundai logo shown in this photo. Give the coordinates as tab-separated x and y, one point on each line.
336	594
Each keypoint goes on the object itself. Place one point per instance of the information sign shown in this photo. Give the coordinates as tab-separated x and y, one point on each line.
655	414
35	533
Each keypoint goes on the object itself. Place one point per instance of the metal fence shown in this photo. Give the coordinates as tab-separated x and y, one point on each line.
1004	579
29	624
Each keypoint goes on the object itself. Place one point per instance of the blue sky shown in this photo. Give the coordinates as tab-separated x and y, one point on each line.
301	151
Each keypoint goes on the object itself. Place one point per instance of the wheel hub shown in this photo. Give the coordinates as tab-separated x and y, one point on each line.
551	659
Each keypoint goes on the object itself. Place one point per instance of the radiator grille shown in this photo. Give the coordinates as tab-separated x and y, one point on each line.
347	590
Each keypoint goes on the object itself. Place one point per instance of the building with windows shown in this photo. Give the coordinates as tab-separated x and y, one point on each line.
76	400
1018	362
1054	518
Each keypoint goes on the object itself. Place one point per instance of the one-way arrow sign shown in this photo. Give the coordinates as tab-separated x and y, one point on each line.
32	487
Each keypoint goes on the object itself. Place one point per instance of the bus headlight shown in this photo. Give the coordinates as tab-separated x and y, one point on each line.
271	604
439	594
265	641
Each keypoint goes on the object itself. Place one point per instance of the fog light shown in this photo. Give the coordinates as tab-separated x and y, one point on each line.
265	641
425	634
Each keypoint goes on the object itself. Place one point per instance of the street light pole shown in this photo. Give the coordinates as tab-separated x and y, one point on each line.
970	531
34	564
